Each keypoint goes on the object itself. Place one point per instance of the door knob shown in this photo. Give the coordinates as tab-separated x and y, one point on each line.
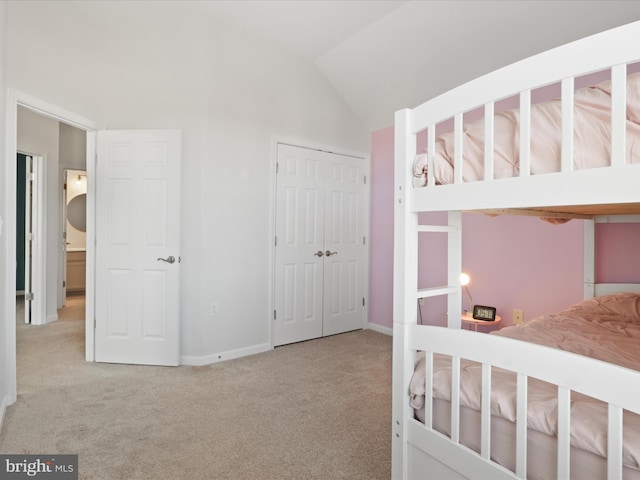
319	253
169	259
329	253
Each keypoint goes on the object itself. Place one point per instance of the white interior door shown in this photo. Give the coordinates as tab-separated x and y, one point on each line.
65	241
138	247
344	245
35	286
320	252
28	237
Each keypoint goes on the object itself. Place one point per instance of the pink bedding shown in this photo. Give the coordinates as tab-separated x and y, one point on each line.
591	138
606	328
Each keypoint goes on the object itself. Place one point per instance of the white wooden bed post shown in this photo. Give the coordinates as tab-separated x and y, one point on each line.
589	258
405	284
454	246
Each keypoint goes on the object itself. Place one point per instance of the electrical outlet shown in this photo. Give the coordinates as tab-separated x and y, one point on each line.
214	309
518	316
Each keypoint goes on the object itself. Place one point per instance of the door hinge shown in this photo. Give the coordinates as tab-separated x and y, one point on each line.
28	296
64	283
274	314
364	240
275	244
363	301
65	186
277	167
94	323
365	179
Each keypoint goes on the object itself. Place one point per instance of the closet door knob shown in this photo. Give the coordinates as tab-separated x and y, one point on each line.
329	253
319	253
170	259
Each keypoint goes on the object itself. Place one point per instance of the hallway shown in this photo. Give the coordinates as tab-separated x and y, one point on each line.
66	335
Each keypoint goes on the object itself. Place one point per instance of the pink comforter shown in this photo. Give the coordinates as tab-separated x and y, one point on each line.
592	142
606	328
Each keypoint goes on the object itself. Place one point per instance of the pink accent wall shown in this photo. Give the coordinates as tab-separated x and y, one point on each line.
514	261
523	262
381	243
617	253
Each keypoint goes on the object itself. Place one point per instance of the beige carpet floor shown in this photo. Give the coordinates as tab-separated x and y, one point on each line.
313	410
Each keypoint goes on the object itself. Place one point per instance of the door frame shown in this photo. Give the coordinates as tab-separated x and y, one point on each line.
271	281
62	293
17	98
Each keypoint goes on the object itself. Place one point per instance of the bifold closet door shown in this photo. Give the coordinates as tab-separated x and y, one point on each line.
319	244
299	243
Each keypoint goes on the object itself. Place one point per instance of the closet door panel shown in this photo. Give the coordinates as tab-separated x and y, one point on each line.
299	237
344	245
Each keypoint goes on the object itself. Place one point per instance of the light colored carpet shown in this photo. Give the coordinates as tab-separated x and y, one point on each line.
314	410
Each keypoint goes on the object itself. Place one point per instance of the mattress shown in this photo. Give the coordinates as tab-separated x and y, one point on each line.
592	140
606	328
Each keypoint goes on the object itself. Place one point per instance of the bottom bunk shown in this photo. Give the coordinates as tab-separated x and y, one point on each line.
556	397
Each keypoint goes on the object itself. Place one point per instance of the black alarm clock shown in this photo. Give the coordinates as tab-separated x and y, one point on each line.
482	312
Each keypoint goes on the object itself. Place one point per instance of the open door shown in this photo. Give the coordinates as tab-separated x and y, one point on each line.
74	232
28	236
32	238
138	249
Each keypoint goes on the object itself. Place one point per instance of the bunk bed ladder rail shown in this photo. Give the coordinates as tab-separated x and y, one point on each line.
406	296
453	287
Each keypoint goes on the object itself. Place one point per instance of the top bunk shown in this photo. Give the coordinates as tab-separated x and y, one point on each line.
554	135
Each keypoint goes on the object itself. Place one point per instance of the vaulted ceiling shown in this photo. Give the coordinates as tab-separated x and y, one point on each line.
385	55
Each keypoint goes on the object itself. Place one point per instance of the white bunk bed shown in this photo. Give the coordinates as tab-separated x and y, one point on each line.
419	449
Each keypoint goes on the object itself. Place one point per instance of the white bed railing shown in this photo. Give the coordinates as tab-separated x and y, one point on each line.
612	50
615	385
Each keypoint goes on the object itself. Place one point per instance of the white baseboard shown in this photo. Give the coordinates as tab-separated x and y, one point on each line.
52	318
3	409
222	356
379	328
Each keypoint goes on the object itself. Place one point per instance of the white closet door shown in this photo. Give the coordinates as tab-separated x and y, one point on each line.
319	270
343	245
138	248
299	248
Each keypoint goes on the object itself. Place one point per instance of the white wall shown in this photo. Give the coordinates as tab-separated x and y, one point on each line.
230	96
38	135
7	350
55	54
72	147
